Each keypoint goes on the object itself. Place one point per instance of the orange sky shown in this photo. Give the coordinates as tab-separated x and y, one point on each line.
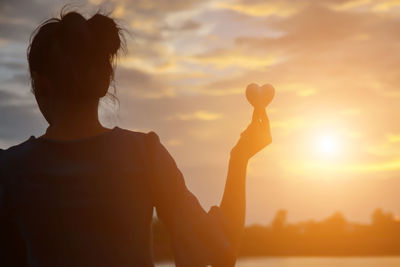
335	65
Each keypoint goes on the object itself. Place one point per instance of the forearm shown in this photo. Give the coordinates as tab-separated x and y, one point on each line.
233	203
256	136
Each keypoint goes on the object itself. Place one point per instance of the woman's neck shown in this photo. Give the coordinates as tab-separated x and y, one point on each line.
75	123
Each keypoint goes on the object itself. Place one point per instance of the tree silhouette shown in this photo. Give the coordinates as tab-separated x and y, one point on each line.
280	220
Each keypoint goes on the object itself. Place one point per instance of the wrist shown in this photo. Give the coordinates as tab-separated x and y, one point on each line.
238	158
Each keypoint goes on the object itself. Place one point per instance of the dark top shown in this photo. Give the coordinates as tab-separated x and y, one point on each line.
90	202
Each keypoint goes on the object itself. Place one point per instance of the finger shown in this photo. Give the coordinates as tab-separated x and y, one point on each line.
265	122
246	130
262	119
263	115
251	128
257	114
254	118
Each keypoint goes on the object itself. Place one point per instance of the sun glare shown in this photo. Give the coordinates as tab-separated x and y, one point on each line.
328	145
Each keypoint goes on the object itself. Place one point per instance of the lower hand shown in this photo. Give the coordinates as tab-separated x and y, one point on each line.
256	136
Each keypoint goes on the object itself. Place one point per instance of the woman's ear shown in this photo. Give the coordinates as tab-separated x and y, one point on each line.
41	88
100	83
41	84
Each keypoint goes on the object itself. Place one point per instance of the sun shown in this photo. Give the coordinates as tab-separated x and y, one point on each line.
328	145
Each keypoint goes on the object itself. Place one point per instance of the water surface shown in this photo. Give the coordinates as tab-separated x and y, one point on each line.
314	262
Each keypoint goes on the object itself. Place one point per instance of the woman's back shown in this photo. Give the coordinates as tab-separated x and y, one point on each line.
86	202
89	202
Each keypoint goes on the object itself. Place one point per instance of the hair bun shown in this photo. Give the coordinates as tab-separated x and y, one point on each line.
106	34
72	20
73	32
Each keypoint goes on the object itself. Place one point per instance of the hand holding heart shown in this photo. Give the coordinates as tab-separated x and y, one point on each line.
260	96
257	135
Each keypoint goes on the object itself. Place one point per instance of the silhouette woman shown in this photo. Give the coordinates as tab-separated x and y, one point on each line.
82	194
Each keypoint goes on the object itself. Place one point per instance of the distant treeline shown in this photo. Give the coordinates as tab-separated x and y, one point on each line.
334	236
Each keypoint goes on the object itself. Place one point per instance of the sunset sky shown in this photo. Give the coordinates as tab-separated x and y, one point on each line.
335	119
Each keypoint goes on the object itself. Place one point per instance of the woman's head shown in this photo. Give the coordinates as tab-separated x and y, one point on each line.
71	60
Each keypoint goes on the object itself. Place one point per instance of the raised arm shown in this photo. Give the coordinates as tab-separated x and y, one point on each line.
233	204
201	238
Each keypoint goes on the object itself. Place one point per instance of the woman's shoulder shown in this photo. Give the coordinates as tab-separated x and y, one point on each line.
147	137
16	150
11	156
147	141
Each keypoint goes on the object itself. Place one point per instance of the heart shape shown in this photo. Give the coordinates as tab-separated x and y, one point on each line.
260	96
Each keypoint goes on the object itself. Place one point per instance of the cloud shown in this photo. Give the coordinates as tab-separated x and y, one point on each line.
174	142
393	138
368	6
197	115
188	25
261	8
348	5
6	98
236	59
387	148
372	167
19	122
20	78
16	32
133	82
289	124
13	65
351	112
